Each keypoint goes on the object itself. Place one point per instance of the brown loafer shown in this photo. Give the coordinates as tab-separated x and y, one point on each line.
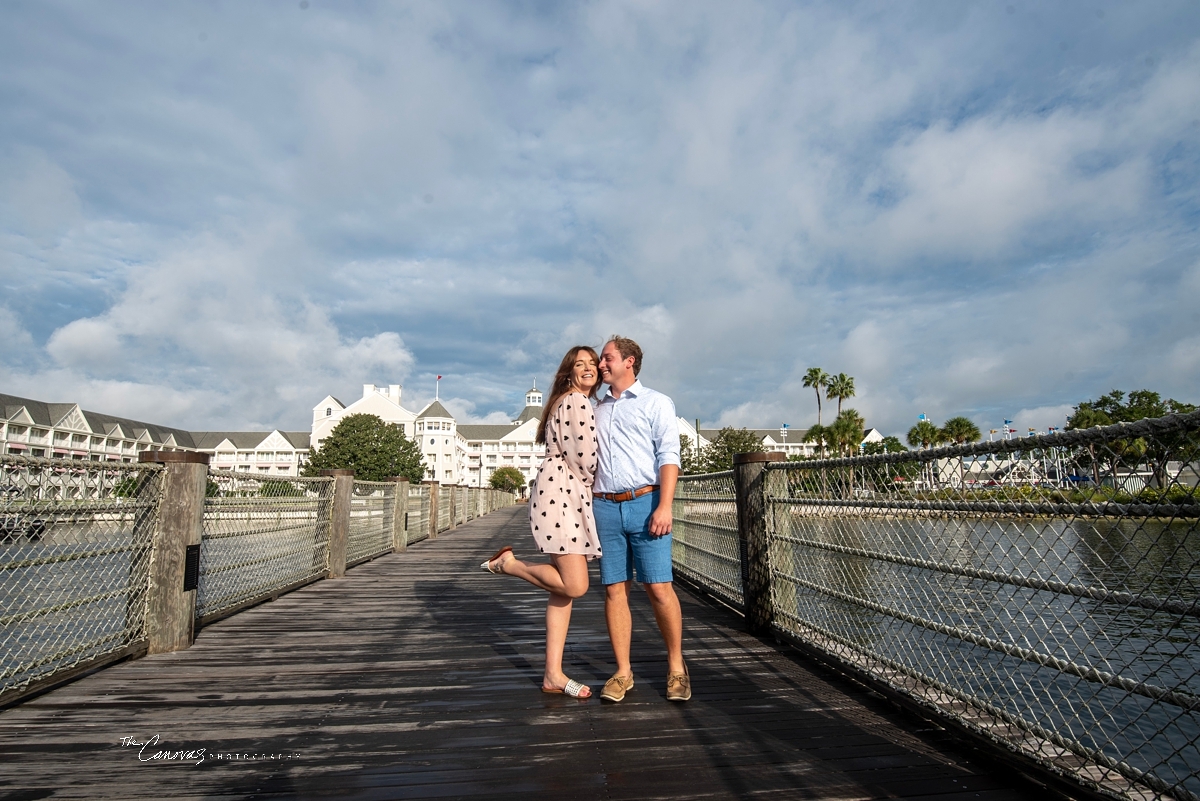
679	686
616	687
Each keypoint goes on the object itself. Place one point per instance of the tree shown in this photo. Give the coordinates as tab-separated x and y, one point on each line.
819	435
888	445
846	433
281	489
817	379
373	449
718	454
925	435
960	431
841	386
507	479
1142	403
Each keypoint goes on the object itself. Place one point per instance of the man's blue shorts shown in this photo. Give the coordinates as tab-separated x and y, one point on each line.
626	543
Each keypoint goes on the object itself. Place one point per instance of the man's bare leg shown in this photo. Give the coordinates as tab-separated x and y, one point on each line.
667	612
620	625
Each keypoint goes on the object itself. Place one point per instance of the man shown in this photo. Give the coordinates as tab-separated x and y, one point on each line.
632	496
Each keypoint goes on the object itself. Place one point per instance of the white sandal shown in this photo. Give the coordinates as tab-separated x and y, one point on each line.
573	689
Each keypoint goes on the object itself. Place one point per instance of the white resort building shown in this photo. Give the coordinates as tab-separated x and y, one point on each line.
454	453
788	441
66	431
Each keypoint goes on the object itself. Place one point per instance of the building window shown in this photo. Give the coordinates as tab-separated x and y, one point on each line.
329	411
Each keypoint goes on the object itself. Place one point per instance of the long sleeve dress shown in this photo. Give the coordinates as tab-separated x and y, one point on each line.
560	505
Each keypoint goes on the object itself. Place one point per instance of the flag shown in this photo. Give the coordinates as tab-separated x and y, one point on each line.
993	431
1008	422
439	378
922	417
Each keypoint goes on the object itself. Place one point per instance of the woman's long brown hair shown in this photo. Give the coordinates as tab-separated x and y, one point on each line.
562	385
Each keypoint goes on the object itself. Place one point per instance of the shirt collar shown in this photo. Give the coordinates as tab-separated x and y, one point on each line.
634	390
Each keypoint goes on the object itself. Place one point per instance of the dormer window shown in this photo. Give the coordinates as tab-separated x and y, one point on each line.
329	411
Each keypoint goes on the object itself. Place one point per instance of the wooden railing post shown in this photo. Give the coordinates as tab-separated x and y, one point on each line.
400	515
339	523
170	609
433	508
453	507
750	493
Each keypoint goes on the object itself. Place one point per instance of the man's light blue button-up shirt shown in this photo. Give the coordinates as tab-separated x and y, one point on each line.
637	433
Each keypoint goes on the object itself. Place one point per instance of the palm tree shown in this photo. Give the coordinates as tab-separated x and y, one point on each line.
924	435
817	378
960	431
846	434
818	434
847	431
841	386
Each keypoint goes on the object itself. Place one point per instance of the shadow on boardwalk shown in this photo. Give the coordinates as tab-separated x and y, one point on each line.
417	676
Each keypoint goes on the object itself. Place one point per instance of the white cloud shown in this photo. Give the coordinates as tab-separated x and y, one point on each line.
942	203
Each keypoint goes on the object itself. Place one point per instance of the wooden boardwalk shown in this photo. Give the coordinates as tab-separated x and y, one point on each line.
418	675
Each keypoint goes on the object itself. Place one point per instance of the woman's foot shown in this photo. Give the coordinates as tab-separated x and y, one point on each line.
567	686
496	563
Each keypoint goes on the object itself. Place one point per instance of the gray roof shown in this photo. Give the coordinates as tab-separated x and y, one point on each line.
478	432
245	440
435	409
49	414
530	413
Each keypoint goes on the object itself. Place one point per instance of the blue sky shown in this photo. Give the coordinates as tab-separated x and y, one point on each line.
213	214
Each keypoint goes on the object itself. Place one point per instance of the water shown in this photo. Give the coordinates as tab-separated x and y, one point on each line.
1146	558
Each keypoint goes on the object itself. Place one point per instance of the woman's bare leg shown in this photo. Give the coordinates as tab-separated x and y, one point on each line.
558	620
565	578
565	575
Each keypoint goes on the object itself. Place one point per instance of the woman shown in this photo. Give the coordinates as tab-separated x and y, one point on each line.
560	509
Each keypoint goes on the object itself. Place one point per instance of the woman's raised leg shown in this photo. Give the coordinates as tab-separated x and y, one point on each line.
565	575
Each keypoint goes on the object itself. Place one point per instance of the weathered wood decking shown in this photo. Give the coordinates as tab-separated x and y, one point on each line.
417	676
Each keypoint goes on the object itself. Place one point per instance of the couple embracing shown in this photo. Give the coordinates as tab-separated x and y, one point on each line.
604	491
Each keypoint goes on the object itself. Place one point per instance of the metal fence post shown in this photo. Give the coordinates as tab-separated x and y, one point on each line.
750	494
170	609
339	523
433	508
400	515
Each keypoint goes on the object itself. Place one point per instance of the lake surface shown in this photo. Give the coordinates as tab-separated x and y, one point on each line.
1149	559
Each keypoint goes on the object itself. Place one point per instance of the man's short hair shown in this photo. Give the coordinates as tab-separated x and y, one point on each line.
627	347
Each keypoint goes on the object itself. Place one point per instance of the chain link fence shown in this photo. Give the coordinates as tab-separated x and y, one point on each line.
417	522
1043	591
75	545
77	540
262	536
704	538
371	509
443	508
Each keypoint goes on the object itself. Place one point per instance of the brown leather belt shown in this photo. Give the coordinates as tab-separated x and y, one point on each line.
628	495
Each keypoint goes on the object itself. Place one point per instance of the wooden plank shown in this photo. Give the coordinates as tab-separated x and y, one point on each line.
418	676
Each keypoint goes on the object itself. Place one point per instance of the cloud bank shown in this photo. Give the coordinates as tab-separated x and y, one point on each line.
212	217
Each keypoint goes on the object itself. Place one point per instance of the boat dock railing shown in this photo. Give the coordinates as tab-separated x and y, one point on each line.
1041	593
103	560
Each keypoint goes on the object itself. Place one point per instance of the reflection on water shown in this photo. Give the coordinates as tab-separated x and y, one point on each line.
1149	559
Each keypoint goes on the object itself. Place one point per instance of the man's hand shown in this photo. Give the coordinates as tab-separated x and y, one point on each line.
660	521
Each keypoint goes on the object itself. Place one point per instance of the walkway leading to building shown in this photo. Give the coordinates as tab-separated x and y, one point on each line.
418	675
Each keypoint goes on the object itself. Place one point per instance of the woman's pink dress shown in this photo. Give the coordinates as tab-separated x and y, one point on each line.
560	497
